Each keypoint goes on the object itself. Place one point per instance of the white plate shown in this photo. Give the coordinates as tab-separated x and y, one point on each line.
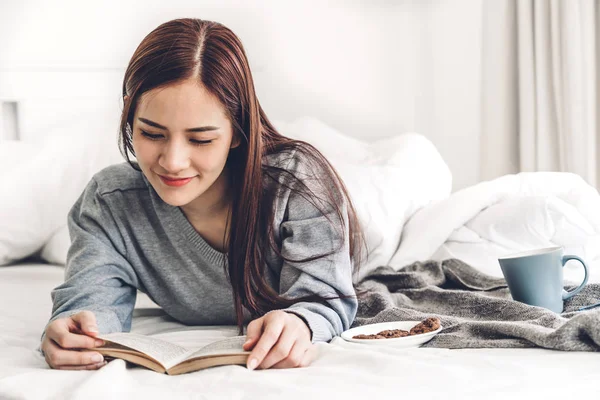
407	341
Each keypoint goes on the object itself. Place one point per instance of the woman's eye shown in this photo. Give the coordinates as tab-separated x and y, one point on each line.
156	137
150	136
199	142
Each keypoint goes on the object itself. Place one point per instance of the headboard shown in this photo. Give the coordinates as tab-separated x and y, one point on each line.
37	100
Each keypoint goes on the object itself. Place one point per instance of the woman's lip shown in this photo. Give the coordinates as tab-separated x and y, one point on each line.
175	182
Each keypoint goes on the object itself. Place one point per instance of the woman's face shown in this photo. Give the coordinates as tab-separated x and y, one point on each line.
182	131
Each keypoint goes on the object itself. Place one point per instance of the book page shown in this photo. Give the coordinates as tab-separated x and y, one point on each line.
232	345
198	337
164	352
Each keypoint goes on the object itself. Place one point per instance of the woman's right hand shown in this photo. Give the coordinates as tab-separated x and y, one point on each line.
66	340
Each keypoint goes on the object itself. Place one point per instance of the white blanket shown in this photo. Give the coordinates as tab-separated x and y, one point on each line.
509	214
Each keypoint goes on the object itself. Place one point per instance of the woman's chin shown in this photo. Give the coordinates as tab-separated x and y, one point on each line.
175	199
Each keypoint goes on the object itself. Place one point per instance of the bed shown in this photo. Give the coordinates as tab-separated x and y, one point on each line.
342	369
476	224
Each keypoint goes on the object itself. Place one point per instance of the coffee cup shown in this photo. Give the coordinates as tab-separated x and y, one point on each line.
535	277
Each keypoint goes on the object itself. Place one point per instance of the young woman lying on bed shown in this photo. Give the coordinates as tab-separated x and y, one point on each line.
222	220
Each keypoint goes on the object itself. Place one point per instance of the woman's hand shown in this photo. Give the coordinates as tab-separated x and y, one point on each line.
64	336
280	340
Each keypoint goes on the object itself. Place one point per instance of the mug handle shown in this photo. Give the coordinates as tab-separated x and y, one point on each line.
568	295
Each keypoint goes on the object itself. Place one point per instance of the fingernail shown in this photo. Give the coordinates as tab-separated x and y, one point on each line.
252	364
99	343
92	329
97	358
247	341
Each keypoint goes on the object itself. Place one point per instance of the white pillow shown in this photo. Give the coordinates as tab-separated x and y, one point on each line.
44	180
330	142
15	154
388	179
55	250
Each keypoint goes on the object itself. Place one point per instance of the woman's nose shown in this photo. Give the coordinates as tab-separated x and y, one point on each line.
175	157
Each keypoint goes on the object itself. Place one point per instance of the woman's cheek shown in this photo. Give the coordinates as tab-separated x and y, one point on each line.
146	153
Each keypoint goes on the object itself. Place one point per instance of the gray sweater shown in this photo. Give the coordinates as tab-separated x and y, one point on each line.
125	238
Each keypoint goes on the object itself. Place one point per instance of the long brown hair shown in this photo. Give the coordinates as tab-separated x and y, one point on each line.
189	48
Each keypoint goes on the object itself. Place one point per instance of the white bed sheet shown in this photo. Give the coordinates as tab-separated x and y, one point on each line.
342	370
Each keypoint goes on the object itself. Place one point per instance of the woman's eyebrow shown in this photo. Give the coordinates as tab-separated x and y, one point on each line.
159	126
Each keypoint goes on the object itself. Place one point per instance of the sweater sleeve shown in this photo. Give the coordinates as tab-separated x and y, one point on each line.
308	232
98	277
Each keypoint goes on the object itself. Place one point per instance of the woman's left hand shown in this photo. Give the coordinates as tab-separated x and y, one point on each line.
280	340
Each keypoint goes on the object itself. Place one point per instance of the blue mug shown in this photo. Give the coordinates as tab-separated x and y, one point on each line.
535	277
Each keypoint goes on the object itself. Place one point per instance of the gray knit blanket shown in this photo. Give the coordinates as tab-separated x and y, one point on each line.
475	309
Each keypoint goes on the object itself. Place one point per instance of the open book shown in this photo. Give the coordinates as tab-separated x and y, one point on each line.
166	357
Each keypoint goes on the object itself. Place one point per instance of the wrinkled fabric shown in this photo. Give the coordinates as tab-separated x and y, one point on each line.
476	310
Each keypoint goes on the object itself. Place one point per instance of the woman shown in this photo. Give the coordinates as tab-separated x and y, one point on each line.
221	220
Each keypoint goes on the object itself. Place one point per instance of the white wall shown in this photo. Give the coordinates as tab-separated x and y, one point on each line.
368	68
